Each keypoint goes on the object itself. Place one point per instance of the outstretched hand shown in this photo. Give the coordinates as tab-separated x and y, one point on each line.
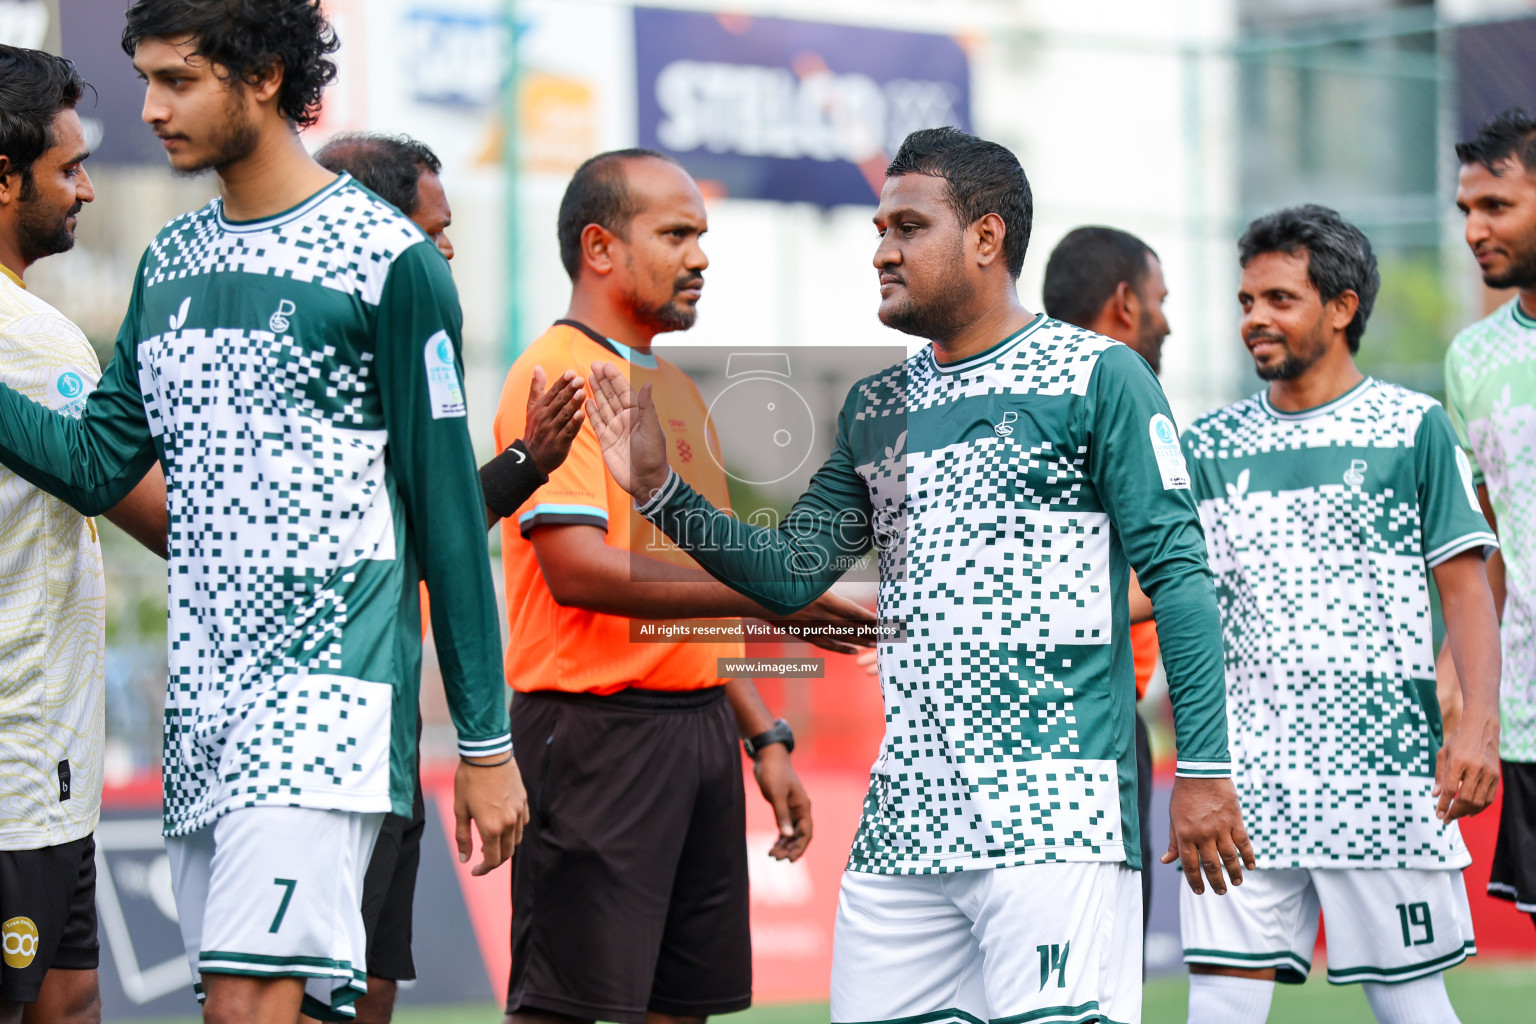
634	448
1206	832
555	416
831	609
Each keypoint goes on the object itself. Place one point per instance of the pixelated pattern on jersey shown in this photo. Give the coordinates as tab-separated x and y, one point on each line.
274	447
1495	359
1380	416
998	564
344	239
1324	599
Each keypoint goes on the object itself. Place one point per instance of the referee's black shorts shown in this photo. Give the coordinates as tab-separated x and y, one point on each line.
47	915
629	890
1513	876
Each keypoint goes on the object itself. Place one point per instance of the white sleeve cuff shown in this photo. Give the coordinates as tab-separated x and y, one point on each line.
486	748
662	496
1203	769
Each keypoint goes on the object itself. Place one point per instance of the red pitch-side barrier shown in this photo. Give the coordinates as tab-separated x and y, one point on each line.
839	720
794	906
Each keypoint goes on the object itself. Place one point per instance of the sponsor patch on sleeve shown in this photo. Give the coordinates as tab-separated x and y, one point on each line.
68	390
444	392
1170	457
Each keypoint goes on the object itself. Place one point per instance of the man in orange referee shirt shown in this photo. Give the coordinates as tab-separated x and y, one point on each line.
629	891
1111	282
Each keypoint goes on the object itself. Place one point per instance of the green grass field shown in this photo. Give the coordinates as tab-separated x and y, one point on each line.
1504	992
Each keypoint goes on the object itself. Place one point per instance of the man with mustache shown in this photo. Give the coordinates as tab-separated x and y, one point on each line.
629	893
1490	385
1328	500
1008	475
52	601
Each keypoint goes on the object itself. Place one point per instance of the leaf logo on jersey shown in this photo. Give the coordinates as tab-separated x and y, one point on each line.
180	316
1240	488
443	391
895	450
1165	449
18	938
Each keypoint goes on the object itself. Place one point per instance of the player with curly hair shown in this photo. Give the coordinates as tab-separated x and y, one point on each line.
291	357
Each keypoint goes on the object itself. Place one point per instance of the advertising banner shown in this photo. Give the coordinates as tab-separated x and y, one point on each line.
91	34
796	111
1494	70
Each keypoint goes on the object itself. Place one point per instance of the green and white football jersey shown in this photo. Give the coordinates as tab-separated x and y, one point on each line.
1490	390
298	377
1322	528
1007	494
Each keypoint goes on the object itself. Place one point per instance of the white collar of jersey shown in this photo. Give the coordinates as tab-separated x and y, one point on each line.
1318	410
988	355
644	360
292	213
1520	318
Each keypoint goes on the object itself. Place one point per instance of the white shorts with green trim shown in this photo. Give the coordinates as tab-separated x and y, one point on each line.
277	892
1384	925
1042	943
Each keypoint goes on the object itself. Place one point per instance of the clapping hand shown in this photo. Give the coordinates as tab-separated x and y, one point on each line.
555	416
634	448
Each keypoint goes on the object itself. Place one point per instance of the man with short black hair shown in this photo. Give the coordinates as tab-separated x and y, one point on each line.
52	602
629	894
1490	389
400	170
1328	500
1007	474
1111	282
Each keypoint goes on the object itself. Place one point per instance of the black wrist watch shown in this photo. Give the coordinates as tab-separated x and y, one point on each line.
780	733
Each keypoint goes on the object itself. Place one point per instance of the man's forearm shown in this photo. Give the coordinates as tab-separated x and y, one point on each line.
1189	632
783	569
1495	565
584	572
1472	633
1496	584
752	715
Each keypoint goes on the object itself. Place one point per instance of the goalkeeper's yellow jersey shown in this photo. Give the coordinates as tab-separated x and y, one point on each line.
52	603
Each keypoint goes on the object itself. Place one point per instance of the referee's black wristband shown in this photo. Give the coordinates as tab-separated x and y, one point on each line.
510	479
